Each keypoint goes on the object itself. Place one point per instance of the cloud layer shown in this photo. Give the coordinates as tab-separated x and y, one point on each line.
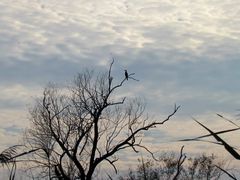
184	52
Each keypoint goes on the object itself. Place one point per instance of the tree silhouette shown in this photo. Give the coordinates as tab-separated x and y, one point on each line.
9	158
230	149
79	127
171	167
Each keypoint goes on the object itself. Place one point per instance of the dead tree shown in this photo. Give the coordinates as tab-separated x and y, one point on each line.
79	127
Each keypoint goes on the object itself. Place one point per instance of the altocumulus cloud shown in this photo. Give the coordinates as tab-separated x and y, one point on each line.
182	51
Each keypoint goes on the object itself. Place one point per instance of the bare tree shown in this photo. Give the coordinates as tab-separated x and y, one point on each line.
179	164
79	127
171	167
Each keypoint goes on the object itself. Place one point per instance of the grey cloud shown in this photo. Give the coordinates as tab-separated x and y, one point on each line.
11	104
13	129
198	86
38	71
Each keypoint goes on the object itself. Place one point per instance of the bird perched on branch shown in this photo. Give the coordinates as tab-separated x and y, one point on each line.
126	74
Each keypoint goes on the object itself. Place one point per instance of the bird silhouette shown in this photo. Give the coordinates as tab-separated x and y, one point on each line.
126	74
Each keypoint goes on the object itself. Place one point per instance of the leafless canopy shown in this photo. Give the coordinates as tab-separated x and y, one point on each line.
80	127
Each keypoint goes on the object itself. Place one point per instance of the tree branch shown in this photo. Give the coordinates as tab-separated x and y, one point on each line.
181	160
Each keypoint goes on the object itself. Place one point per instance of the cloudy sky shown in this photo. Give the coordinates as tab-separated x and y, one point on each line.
183	51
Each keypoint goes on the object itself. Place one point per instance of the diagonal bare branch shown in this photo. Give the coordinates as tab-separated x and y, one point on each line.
229	148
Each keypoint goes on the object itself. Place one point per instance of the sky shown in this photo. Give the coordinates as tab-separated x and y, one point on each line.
182	51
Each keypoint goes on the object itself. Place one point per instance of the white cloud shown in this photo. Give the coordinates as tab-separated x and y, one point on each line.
185	52
17	95
81	28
